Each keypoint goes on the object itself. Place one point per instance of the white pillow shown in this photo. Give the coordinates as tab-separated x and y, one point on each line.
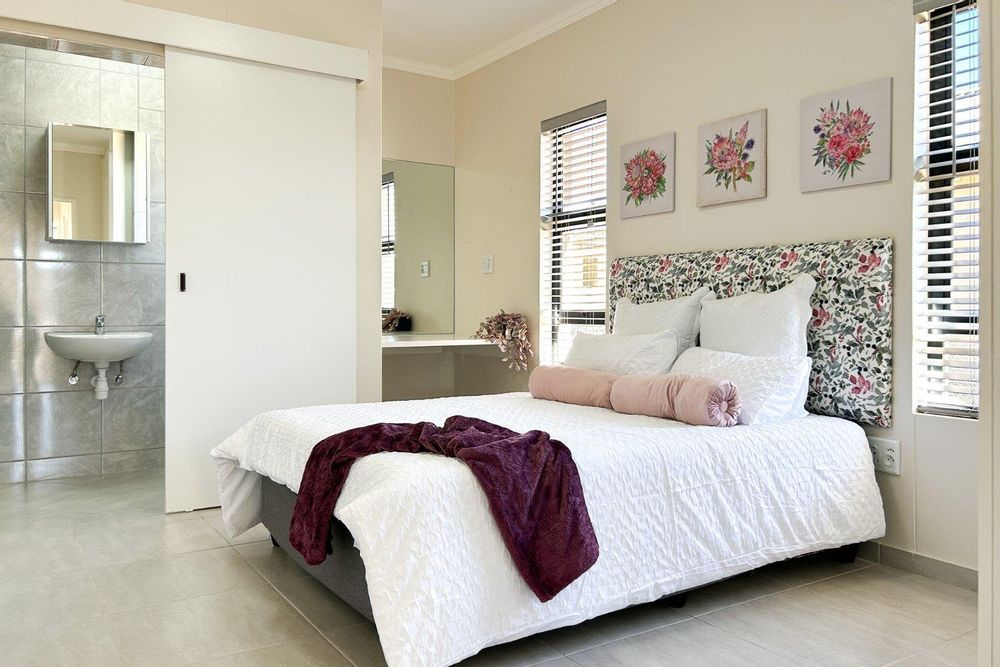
681	315
771	388
645	354
771	324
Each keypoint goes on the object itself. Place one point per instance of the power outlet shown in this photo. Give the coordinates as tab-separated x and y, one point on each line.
885	455
425	269
487	264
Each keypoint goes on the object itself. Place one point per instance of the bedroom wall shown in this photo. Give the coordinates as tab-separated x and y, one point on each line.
356	23
646	58
48	427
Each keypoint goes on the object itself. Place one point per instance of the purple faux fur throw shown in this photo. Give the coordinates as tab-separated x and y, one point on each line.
530	481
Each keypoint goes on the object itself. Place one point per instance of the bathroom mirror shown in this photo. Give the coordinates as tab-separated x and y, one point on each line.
418	246
98	184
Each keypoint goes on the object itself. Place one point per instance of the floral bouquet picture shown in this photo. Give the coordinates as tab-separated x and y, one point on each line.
734	160
648	177
845	137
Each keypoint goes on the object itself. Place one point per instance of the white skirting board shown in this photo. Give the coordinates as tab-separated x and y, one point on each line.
261	210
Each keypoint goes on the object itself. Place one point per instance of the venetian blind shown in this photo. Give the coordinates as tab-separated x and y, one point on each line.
946	210
388	243
573	255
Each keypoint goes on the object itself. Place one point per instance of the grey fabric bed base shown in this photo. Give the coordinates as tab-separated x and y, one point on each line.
343	572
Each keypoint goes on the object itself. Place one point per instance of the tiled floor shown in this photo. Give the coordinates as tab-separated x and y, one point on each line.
92	573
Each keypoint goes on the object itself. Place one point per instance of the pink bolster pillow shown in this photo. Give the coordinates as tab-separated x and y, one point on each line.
692	399
565	384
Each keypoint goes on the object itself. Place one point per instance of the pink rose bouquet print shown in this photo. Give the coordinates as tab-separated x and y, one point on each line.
645	176
843	138
728	157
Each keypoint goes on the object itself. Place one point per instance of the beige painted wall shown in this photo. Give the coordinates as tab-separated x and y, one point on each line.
670	67
418	118
356	23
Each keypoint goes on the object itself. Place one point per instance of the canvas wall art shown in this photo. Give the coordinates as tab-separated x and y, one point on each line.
732	159
846	137
647	177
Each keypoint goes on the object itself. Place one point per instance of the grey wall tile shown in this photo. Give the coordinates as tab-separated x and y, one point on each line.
36	245
121	68
11	51
47	371
157	172
151	72
133	419
11	225
119	101
11	473
151	93
146	368
12	158
151	122
154	251
147	459
63	293
11	361
65	423
11	293
44	55
11	428
12	90
71	466
60	93
36	159
134	294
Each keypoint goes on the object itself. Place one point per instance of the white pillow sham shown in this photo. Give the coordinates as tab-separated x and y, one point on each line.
771	324
682	315
644	354
771	388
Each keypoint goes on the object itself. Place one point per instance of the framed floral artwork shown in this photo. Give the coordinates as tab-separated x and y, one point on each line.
732	159
845	137
647	177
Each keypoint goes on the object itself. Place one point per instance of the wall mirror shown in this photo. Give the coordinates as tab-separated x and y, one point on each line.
418	247
98	184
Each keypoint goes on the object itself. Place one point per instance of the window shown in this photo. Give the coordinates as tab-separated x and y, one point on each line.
388	242
573	238
946	208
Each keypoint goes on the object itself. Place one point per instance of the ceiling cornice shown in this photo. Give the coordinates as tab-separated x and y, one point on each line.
553	24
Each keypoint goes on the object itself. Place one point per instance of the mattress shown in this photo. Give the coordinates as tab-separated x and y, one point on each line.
674	507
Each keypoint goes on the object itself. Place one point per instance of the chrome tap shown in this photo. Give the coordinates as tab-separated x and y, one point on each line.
99	325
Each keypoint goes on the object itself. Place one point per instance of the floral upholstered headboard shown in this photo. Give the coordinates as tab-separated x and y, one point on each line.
850	334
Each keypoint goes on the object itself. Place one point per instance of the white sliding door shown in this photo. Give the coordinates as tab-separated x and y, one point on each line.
261	219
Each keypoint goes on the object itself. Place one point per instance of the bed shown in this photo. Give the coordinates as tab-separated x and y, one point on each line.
674	507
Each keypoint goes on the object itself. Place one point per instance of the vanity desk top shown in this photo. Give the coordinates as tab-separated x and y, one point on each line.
393	341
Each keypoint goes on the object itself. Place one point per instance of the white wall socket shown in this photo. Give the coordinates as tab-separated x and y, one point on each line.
425	269
487	265
885	455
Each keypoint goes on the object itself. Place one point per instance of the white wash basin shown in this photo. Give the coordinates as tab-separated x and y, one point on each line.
99	349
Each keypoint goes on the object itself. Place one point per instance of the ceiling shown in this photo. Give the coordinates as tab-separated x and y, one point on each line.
451	38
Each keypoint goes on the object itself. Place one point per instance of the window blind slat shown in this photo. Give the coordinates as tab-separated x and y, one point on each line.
946	208
573	271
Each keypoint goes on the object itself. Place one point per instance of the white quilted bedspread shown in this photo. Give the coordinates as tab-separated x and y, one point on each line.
674	507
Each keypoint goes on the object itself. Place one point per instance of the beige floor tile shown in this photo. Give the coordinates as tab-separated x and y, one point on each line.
822	627
211	626
272	562
309	651
809	569
214	518
81	643
611	627
39	601
689	643
359	643
958	652
522	653
170	578
107	544
317	604
727	593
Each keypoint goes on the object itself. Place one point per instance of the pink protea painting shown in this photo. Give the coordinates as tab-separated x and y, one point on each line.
728	157
843	139
645	176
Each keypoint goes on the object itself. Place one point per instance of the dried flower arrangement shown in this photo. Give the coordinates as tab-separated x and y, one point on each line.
395	320
509	332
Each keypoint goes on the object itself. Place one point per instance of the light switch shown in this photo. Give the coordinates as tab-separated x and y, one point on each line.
425	269
487	266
